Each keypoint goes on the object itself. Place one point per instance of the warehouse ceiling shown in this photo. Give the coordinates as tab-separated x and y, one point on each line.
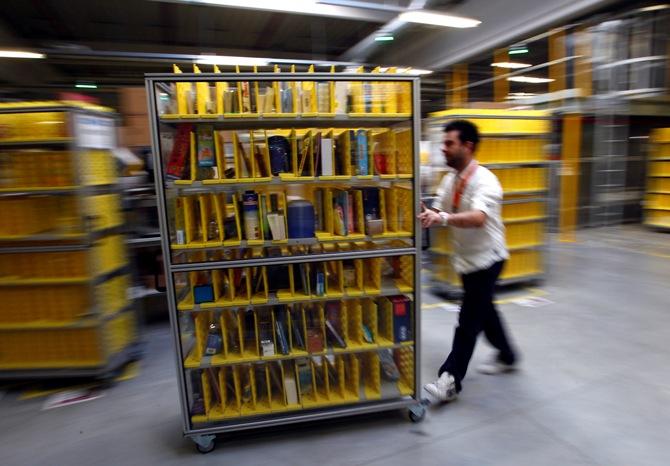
113	43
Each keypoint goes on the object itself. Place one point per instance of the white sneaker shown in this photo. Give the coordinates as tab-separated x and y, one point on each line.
495	367
444	388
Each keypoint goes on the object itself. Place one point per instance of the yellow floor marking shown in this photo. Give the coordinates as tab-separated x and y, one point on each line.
131	371
532	293
40	393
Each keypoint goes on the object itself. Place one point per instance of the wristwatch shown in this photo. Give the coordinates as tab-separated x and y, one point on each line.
445	218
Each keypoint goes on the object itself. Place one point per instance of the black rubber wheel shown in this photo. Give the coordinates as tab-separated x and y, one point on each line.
417	414
207	448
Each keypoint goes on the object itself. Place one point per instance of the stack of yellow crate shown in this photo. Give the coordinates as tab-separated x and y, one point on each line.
512	147
657	201
63	270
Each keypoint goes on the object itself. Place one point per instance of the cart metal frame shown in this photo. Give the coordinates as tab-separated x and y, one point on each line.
93	318
204	437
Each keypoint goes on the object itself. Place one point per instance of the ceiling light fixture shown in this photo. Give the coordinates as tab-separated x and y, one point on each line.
226	60
293	6
384	38
86	86
517	50
438	19
20	54
529	79
662	6
520	95
413	71
510	65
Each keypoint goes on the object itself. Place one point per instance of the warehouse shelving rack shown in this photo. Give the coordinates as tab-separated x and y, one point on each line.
356	366
657	199
523	171
64	312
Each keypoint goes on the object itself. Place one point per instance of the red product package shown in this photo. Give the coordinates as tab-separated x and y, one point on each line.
178	161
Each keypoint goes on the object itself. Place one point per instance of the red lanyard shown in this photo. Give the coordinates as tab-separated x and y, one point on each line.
460	184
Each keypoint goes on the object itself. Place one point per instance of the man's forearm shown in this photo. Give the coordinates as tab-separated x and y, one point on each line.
470	219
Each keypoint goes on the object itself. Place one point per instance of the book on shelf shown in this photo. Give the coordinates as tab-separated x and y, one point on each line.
305	279
213	380
205	145
259	161
290	388
280	327
178	162
317	154
327	162
263	207
362	152
319	210
332	325
351	224
402	318
304	376
297	331
371	209
340	212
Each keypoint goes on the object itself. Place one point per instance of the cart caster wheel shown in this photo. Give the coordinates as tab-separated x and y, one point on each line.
417	413
205	443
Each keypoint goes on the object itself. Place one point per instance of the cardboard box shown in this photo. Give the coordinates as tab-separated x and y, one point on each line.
133	101
135	132
134	137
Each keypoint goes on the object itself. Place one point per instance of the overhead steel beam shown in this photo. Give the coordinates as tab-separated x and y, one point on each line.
23	71
503	23
366	47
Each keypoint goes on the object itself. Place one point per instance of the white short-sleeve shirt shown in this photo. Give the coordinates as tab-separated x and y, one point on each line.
475	248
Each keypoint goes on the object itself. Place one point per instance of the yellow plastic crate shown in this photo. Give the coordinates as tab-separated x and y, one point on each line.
33	126
660	135
97	167
659	169
112	295
109	254
506	150
120	332
525	263
660	218
488	121
27	216
43	303
523	210
657	201
105	210
63	348
522	179
443	271
36	169
659	184
42	265
525	234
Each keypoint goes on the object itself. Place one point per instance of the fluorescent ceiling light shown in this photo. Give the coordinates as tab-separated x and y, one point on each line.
511	65
384	38
86	86
19	54
517	50
438	19
529	79
413	71
291	6
231	61
655	7
520	95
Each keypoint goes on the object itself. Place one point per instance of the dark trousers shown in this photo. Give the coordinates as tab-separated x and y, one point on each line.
478	313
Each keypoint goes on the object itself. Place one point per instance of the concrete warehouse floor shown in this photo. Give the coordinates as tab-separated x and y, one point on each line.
594	388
